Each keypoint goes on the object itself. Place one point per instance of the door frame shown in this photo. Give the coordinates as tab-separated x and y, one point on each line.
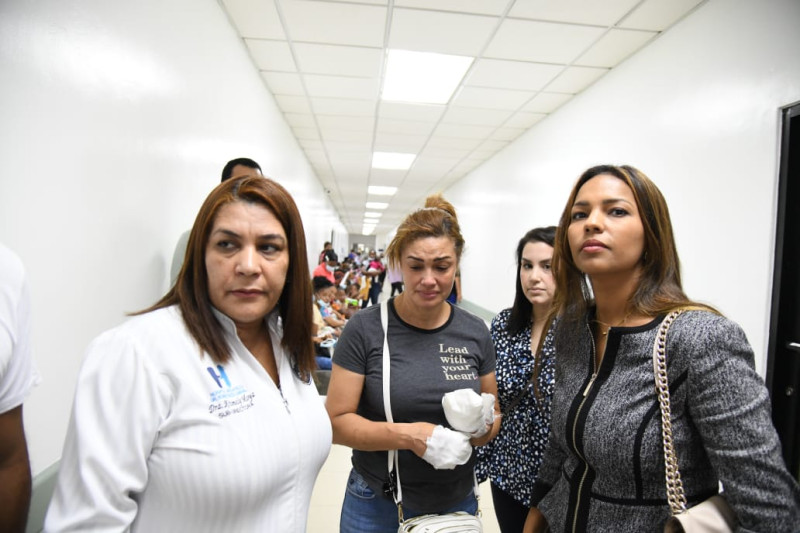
783	365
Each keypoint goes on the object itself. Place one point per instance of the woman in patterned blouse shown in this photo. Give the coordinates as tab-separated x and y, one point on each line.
511	461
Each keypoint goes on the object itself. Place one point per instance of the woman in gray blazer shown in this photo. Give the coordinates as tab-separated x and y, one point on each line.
604	467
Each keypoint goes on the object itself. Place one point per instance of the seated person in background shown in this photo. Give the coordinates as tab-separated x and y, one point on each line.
322	297
323	339
325	248
326	268
349	299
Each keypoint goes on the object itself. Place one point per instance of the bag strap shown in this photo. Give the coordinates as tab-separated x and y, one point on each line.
387	401
392	456
675	493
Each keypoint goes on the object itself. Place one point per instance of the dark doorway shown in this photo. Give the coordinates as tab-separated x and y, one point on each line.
783	361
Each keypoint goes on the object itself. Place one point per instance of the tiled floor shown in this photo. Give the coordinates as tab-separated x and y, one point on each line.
326	501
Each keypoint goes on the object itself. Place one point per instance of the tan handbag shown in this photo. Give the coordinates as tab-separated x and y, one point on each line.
713	515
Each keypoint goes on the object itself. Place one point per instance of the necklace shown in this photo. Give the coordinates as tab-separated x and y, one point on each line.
609	326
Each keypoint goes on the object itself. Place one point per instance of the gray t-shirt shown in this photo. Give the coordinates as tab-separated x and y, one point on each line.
425	364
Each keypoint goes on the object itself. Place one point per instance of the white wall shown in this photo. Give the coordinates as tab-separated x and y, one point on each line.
698	112
117	118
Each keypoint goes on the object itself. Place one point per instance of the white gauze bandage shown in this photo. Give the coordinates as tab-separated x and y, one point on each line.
469	412
447	448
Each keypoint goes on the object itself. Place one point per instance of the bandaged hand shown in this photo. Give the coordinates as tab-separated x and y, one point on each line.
469	412
447	449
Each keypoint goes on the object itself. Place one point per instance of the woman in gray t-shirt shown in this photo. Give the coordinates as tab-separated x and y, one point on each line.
435	348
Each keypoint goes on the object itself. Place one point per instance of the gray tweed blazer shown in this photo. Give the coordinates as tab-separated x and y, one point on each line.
604	467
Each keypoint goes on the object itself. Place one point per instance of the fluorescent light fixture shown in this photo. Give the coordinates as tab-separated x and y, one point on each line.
423	77
376	205
366	229
381	191
392	161
372	214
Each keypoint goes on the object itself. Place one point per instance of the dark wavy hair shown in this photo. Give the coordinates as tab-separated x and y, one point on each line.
191	292
522	310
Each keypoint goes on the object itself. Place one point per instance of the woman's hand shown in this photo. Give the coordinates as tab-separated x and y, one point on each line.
535	522
419	432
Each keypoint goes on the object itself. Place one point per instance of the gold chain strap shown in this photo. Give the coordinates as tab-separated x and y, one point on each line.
675	494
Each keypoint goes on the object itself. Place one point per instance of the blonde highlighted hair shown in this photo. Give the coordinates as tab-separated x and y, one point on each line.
437	219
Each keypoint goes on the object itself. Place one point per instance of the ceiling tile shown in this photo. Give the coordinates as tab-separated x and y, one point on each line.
467	165
348	148
300	120
658	15
306	133
507	134
292	104
422	112
444	151
481	7
350	163
575	79
283	83
492	146
311	144
271	55
511	74
339	60
524	120
604	13
445	33
615	46
395	142
491	98
346	123
335	23
474	116
364	138
485	154
341	87
386	177
463	131
430	166
255	18
461	144
545	42
406	127
343	106
317	158
546	102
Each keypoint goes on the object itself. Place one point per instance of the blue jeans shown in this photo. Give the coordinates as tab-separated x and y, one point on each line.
364	511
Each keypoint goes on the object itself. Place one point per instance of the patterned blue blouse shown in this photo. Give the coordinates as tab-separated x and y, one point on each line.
511	460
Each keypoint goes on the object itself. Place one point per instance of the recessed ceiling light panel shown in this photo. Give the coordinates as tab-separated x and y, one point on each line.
423	77
392	160
382	191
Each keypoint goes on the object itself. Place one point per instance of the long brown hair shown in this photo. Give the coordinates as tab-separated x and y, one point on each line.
190	291
659	290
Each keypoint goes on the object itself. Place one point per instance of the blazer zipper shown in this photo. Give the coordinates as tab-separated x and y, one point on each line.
575	436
